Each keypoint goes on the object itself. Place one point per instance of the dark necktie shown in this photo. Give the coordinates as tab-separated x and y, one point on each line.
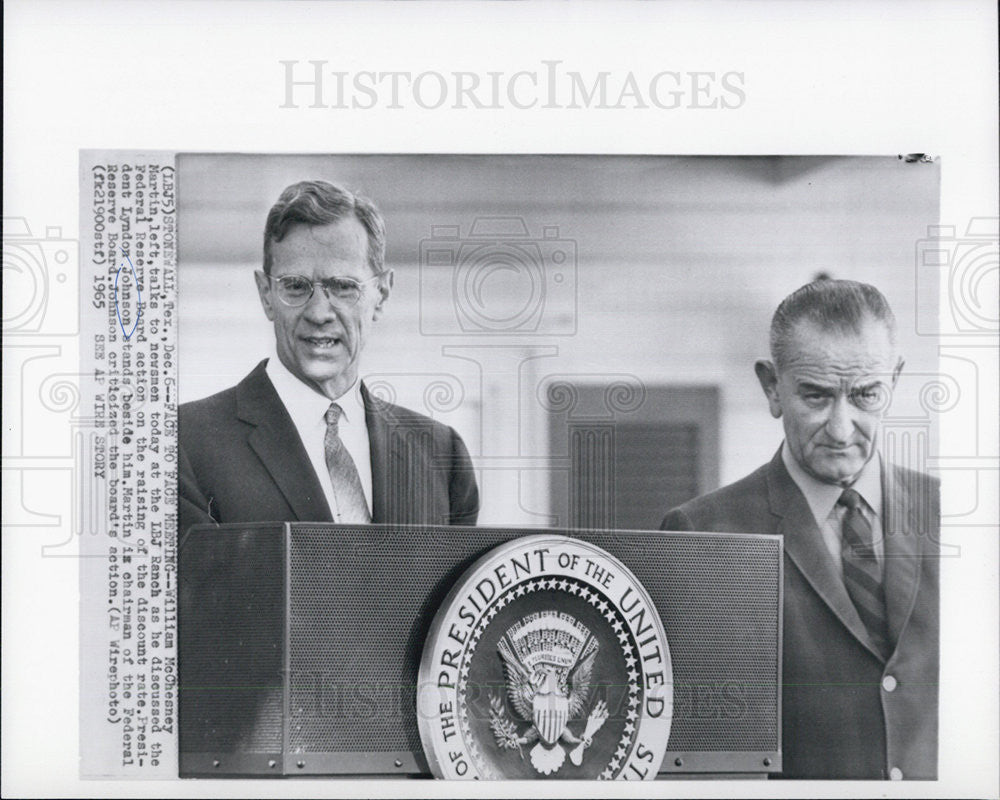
352	508
862	575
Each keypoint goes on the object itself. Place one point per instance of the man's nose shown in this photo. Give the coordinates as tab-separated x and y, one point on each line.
320	307
840	423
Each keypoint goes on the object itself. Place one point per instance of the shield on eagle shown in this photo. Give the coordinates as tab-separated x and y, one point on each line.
550	713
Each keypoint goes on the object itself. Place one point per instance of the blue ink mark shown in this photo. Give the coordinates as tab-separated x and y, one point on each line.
138	302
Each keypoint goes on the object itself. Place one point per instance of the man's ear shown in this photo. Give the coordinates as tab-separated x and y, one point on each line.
768	377
264	290
384	288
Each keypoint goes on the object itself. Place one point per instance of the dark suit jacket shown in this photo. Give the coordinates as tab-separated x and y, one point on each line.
241	460
838	719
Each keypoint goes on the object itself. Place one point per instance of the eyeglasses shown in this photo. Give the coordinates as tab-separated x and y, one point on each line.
297	290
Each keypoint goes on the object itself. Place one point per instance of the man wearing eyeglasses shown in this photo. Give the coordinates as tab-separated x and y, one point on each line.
301	438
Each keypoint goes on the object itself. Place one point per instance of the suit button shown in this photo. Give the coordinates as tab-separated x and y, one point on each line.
889	684
895	774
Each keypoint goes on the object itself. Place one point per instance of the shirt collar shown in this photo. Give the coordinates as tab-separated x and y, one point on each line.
822	497
306	405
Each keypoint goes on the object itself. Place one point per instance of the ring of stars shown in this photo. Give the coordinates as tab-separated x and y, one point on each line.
608	611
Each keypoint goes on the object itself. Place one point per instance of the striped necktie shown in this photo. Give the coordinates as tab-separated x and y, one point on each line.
862	574
352	508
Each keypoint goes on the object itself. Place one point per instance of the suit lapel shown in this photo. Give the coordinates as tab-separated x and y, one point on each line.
805	548
902	539
276	442
384	456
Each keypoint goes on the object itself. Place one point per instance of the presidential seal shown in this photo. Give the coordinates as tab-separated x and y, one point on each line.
546	660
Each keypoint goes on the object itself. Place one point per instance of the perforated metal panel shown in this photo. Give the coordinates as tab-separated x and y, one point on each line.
719	600
231	641
361	601
353	606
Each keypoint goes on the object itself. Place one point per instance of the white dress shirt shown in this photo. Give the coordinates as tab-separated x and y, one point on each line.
308	408
822	499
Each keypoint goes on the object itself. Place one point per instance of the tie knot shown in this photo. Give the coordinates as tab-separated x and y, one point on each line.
850	499
333	414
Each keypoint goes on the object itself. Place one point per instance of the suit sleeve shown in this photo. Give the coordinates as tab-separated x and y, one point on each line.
463	492
676	520
193	506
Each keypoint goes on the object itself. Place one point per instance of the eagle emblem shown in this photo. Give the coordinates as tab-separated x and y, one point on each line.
548	658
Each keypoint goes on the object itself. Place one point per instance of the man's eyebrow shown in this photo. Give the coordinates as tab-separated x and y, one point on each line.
864	387
807	386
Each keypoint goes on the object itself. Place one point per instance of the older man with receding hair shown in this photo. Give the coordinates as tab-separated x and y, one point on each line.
860	650
301	438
